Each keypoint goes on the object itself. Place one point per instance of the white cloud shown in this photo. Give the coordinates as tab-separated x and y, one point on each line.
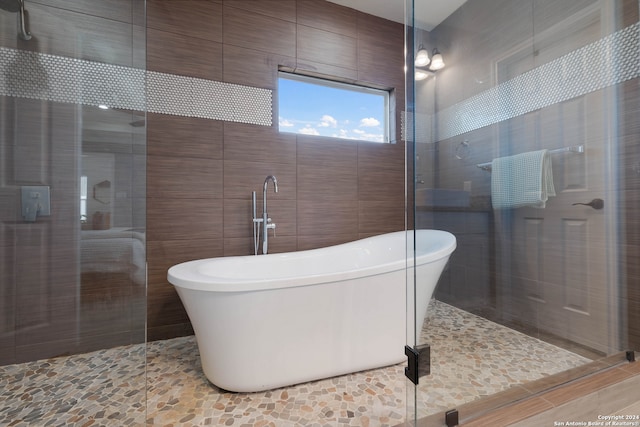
369	122
285	123
328	121
364	136
343	134
308	130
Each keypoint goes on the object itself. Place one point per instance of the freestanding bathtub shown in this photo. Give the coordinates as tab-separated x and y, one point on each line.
268	321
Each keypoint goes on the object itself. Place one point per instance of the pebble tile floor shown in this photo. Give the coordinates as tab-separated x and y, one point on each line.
470	357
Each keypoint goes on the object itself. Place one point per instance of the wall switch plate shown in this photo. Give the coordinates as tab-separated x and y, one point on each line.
36	201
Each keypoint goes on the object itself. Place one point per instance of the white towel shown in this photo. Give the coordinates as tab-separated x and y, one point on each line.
522	180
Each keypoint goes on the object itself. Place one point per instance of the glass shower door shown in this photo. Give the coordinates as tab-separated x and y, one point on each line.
72	210
530	291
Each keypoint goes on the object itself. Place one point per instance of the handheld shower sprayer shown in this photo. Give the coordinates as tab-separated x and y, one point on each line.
14	6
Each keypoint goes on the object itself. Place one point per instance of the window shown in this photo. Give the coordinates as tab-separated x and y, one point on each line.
313	106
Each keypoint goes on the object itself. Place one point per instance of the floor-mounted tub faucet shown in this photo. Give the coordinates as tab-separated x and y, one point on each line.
265	223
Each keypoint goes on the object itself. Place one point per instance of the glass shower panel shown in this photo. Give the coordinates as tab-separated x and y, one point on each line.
546	279
421	194
408	132
560	277
72	216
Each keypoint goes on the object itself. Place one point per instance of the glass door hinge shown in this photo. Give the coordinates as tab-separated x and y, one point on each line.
419	362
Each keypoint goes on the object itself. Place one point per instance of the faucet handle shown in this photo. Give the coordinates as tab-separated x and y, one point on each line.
271	226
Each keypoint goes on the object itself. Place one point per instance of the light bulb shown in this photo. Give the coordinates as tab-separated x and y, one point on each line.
436	62
422	57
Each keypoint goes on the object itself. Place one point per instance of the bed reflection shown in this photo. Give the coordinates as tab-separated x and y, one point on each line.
113	287
115	250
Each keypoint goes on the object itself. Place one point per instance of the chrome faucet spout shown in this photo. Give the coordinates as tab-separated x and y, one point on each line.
266	183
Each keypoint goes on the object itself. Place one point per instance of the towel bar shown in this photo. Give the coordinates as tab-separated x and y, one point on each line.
572	149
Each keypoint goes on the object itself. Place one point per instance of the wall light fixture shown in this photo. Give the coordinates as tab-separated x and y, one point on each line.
422	60
422	57
437	62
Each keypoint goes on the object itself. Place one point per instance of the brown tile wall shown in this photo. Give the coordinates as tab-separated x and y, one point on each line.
194	215
201	172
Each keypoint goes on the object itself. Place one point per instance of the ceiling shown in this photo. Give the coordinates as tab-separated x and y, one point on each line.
427	13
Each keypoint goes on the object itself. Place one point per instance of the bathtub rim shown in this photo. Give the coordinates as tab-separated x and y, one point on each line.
186	276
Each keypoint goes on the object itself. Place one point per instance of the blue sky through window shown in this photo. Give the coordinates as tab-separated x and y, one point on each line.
333	110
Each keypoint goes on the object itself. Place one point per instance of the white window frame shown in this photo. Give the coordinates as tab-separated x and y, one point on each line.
347	87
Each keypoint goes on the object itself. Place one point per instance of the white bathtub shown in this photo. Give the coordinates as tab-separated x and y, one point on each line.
268	321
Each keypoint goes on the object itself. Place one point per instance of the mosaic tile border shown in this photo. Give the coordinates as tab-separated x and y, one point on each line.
61	79
606	62
193	97
422	124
